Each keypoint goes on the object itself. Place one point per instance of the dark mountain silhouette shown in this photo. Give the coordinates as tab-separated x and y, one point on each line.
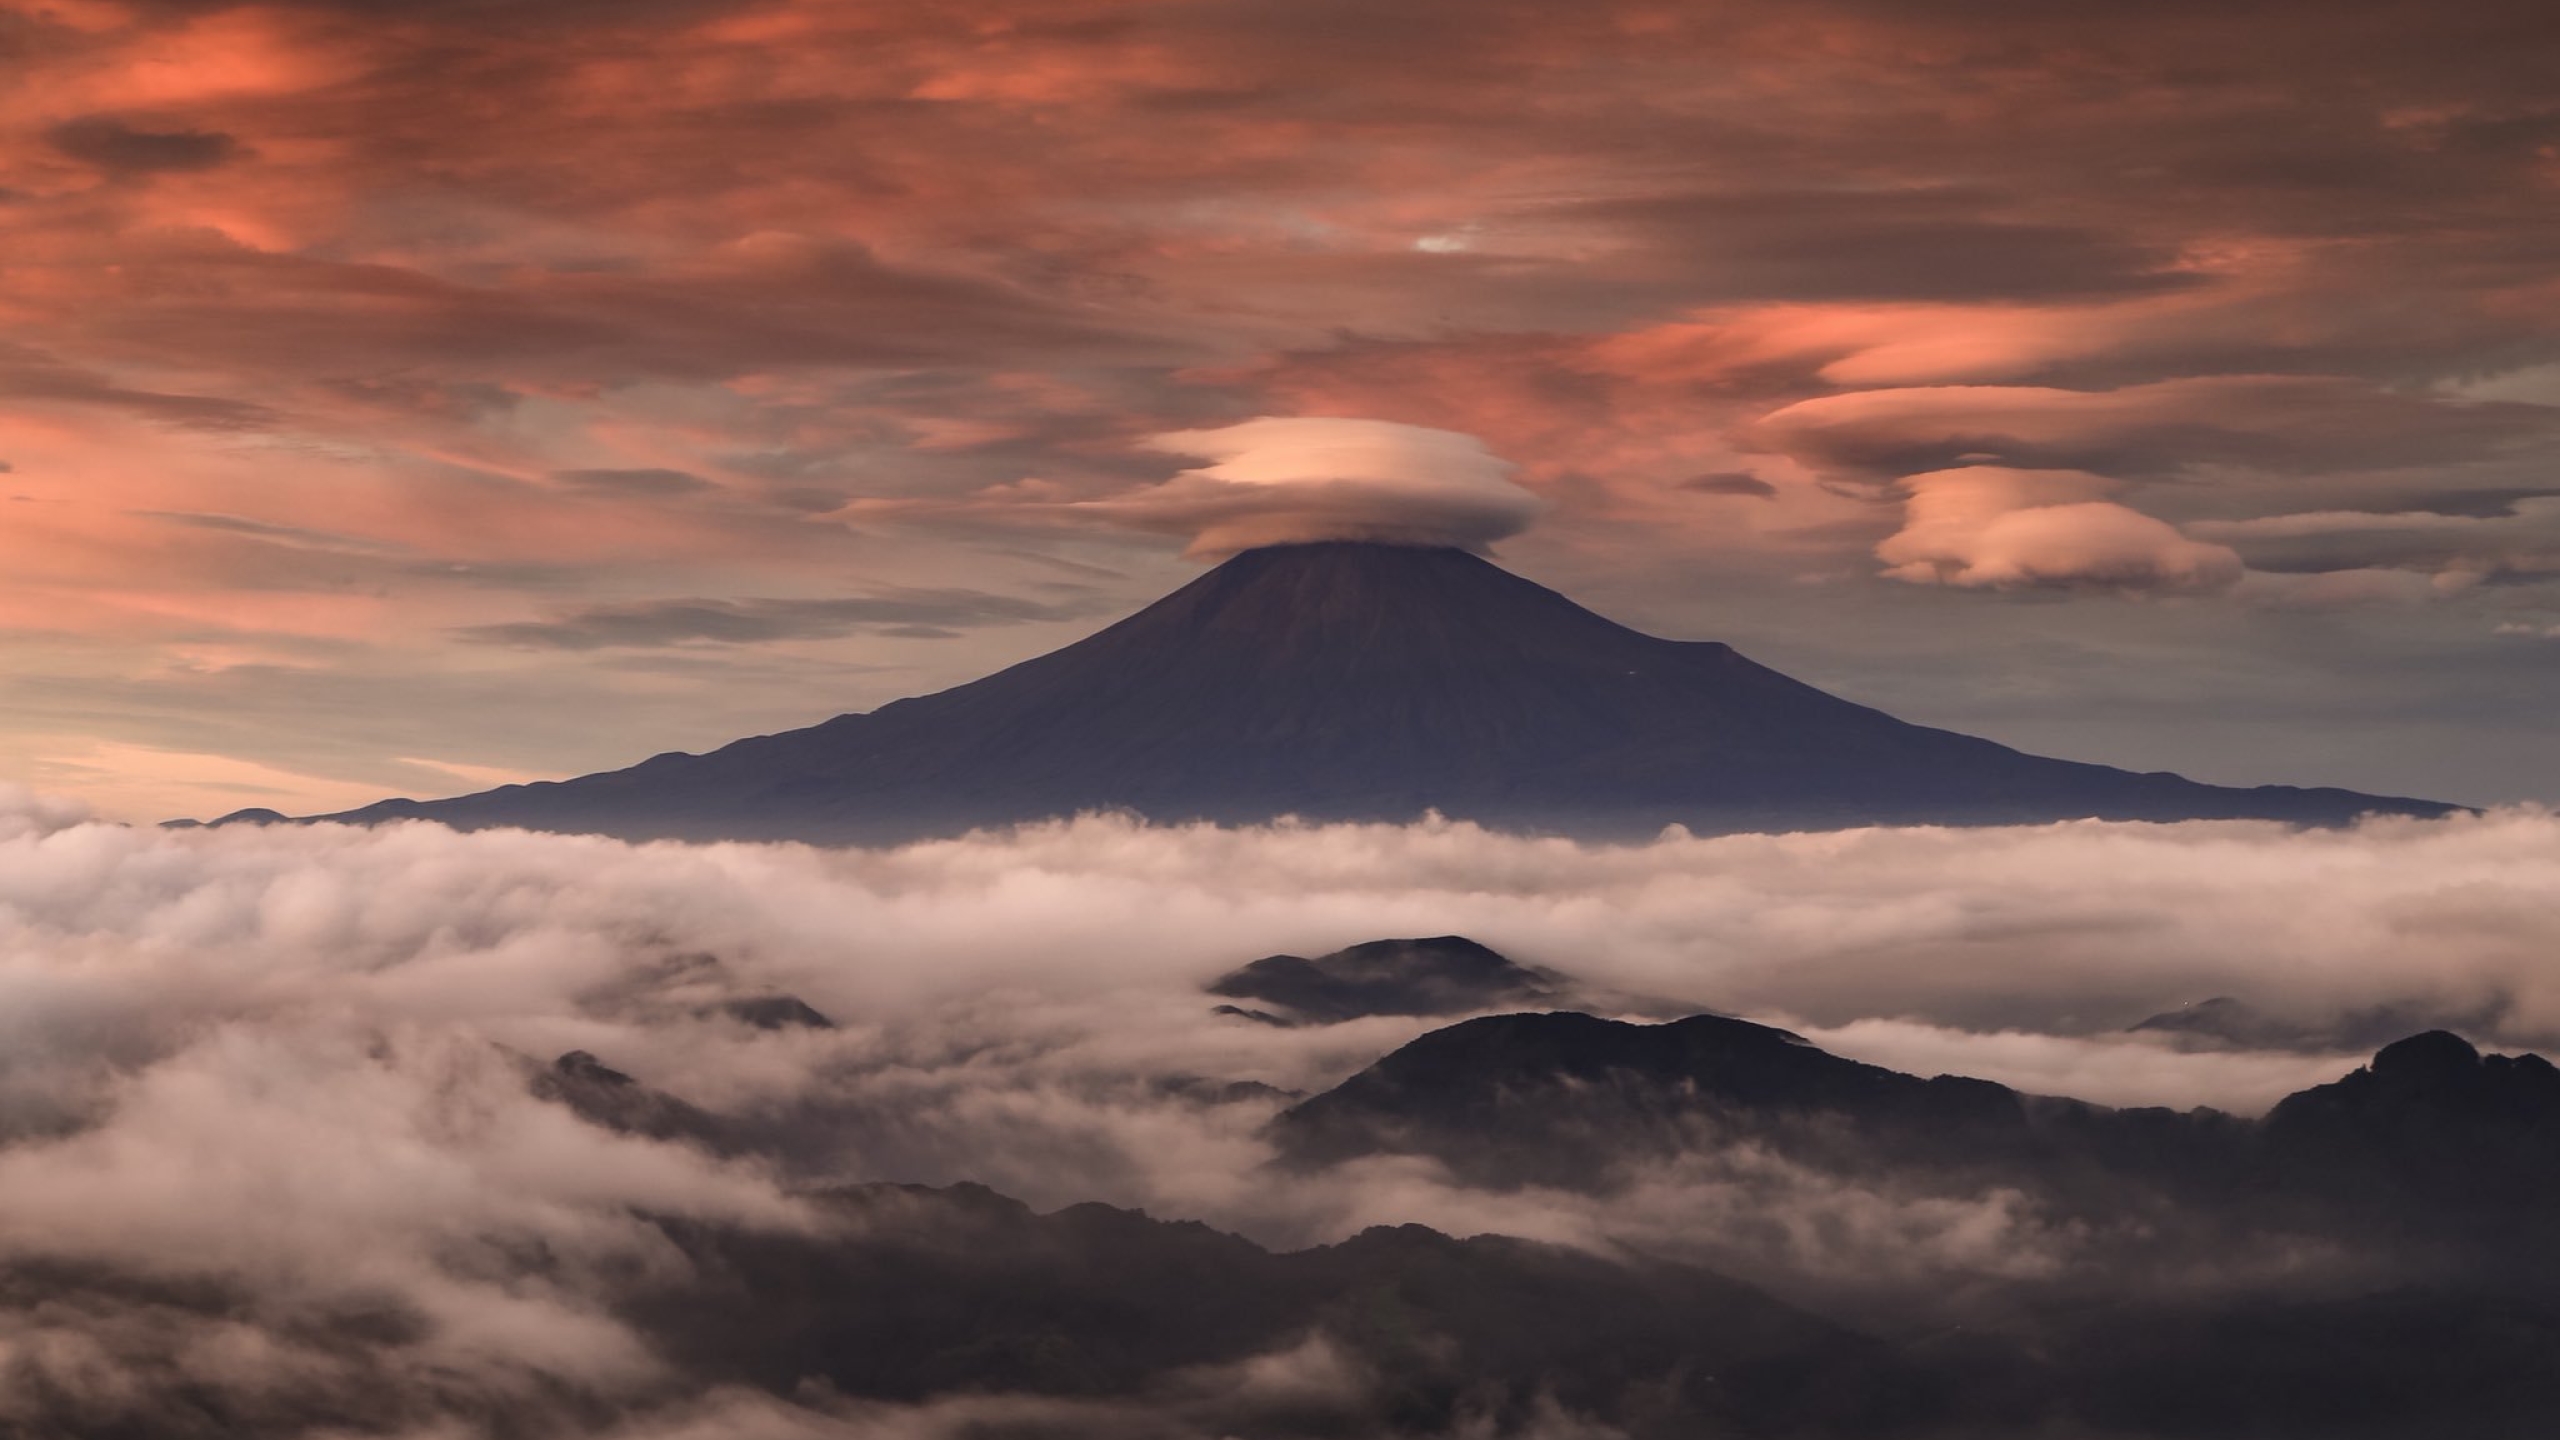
2223	1022
2408	1204
1440	975
921	1292
915	1292
602	1095
1572	1100
255	815
2434	1153
1343	681
1127	1319
775	1012
2434	1134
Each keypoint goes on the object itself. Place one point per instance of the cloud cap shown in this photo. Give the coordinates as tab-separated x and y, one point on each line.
1283	480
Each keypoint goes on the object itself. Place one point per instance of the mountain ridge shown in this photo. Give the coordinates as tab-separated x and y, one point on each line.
2431	1146
1345	681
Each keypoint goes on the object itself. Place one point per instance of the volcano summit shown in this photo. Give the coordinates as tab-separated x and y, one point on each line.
1351	681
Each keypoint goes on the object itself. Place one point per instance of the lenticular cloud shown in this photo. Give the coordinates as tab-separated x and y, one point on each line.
1987	527
1279	481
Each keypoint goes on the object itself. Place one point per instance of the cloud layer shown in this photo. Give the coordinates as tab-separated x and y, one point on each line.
292	1064
597	311
1276	481
1983	527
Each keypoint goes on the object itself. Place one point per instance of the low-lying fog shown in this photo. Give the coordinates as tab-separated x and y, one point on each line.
292	1064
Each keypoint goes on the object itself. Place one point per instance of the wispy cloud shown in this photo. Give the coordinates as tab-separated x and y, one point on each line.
914	614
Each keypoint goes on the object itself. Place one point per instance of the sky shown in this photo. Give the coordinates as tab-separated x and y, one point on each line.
403	399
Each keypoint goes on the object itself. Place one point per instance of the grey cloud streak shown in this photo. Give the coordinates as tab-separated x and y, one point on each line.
640	483
913	614
120	149
2292	425
27	373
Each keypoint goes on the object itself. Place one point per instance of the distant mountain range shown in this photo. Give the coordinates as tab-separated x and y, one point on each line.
1136	1327
2432	1139
2375	1258
1342	681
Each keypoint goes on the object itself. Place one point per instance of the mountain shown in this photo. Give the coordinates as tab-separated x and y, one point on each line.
2435	1134
1342	681
1438	975
2223	1022
1094	1321
1576	1102
2432	1155
1172	1329
2213	1277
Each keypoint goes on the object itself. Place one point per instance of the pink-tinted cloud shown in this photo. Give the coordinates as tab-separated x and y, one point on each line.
896	289
2286	424
1983	527
1283	481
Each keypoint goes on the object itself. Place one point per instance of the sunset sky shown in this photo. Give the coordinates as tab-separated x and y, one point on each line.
404	398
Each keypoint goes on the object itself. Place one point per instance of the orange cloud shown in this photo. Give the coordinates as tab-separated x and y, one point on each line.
324	322
1983	527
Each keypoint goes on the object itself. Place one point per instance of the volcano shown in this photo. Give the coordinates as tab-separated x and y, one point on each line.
1353	681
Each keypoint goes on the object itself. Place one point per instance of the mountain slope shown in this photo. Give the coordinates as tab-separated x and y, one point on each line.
907	1292
1573	1101
2434	1155
1435	975
1363	682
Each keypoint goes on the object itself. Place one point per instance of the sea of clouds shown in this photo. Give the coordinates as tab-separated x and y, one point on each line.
266	1089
